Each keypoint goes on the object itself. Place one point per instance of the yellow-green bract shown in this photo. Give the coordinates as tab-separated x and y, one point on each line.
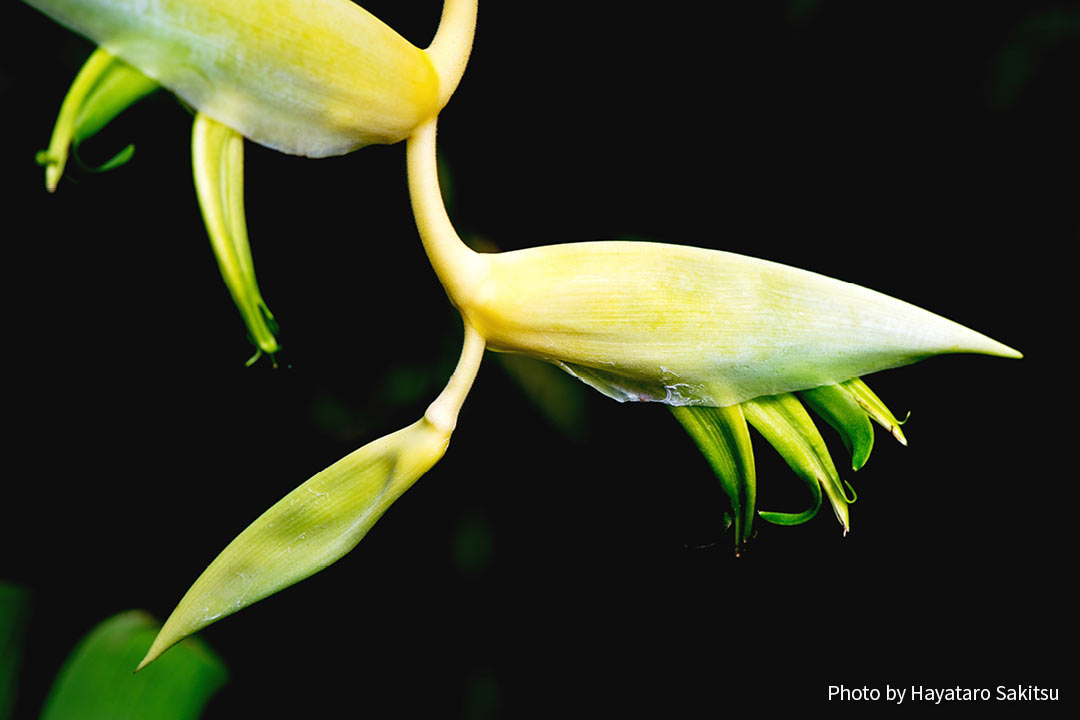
680	325
307	530
307	77
689	326
324	518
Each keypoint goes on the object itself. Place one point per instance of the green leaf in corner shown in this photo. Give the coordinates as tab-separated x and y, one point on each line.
97	681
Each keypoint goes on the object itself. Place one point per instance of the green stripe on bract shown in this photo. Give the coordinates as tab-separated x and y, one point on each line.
782	420
724	440
838	407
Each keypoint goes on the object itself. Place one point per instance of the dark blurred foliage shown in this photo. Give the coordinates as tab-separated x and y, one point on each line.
927	150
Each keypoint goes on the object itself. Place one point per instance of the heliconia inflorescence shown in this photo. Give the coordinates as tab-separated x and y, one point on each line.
729	342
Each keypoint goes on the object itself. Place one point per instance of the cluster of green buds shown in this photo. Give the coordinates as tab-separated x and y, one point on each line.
726	341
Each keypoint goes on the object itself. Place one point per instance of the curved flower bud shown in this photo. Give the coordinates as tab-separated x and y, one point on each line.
723	438
784	422
721	435
217	157
307	77
849	407
104	87
836	405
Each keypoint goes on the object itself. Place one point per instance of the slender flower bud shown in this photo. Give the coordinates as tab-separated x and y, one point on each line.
784	422
723	438
104	87
217	157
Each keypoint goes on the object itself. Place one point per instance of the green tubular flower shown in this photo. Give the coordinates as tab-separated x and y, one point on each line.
105	87
848	407
783	422
721	434
217	154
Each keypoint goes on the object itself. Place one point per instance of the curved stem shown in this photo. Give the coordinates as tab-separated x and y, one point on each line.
443	413
459	269
450	48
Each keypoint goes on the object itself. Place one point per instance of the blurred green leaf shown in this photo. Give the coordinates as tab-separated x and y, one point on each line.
97	681
557	396
1033	43
473	543
14	607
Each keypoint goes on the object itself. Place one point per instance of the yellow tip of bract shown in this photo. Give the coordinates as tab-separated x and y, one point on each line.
688	326
308	77
307	530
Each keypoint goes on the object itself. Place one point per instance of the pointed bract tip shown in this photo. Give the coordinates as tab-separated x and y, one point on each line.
988	346
159	646
1007	352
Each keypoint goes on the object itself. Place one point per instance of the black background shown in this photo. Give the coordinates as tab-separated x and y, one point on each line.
926	150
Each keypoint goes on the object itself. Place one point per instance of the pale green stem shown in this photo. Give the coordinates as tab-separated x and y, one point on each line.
450	48
459	269
443	413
